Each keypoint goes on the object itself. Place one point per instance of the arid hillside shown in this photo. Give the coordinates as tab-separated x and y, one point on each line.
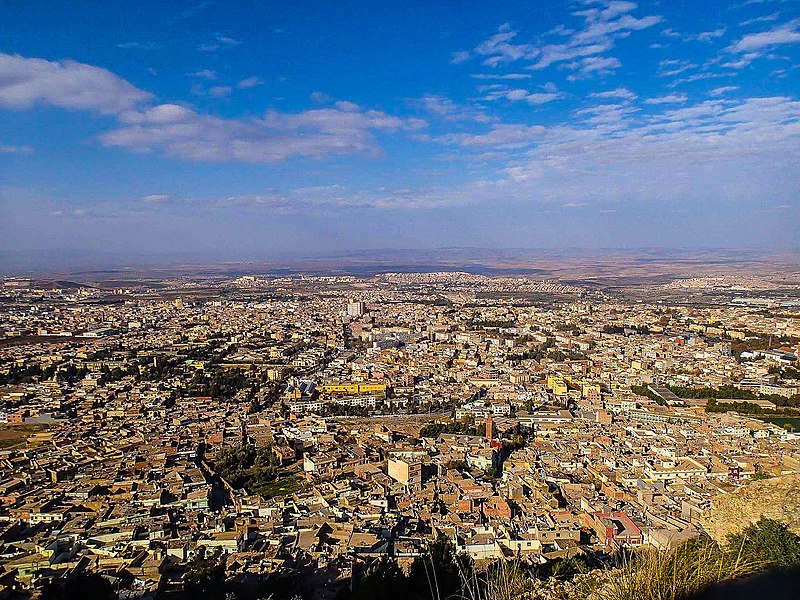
775	498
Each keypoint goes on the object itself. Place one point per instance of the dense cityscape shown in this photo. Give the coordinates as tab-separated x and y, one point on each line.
297	429
400	301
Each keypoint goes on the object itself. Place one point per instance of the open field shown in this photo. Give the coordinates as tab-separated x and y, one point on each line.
12	436
288	481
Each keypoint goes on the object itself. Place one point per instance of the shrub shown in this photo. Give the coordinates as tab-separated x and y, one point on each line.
770	542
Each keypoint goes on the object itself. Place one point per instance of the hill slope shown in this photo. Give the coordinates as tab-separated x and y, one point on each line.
775	498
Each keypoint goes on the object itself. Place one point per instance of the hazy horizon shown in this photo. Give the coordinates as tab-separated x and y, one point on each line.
47	263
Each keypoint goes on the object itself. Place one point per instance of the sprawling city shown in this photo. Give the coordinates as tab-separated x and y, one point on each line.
400	301
307	426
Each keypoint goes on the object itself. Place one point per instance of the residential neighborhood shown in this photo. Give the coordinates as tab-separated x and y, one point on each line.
307	426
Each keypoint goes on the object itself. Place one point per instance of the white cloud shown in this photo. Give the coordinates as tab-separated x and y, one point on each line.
501	136
9	149
501	76
717	151
595	65
221	42
250	82
181	132
320	97
709	36
500	48
220	91
741	62
578	48
788	33
226	40
697	77
723	89
620	92
762	19
448	110
668	99
672	67
344	128
459	57
155	198
537	98
75	212
714	151
206	74
569	51
271	201
607	117
25	82
522	95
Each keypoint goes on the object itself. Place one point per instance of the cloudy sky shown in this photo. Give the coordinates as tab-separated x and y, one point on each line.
260	129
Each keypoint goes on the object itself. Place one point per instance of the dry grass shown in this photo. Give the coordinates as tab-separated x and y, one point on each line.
680	573
648	574
13	436
508	582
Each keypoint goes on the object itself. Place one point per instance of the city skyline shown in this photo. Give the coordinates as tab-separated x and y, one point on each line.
235	130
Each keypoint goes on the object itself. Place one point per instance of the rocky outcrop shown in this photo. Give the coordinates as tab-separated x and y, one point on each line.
594	585
777	498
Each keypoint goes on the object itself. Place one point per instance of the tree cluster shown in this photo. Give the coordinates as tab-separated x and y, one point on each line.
247	466
218	383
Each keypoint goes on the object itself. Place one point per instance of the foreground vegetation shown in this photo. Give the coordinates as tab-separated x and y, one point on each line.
646	574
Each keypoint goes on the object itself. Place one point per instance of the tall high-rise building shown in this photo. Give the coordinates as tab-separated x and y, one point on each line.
356	309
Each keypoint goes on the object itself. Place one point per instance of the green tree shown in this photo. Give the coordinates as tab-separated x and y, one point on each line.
205	576
567	568
383	579
247	466
768	540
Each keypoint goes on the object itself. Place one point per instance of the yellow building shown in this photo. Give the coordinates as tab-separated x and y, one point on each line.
591	392
556	385
352	389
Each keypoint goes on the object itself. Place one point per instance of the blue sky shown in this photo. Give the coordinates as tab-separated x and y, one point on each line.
252	129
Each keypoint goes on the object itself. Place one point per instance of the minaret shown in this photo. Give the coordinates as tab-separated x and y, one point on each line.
489	428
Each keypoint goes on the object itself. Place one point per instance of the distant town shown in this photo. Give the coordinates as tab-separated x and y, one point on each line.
299	428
